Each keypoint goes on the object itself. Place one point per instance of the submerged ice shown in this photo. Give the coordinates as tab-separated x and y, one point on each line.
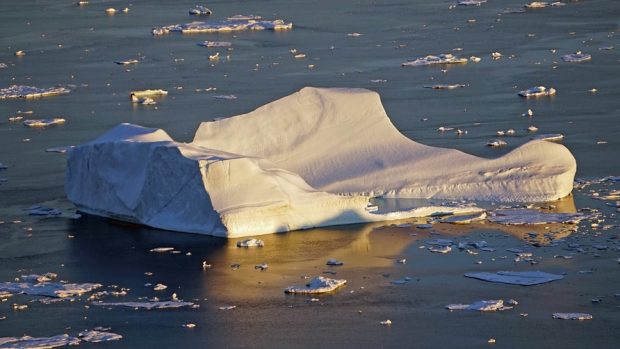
314	158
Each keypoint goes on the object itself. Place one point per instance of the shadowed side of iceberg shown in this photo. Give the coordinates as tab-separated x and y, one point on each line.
342	141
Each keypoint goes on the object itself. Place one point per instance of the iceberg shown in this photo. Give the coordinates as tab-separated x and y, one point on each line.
314	158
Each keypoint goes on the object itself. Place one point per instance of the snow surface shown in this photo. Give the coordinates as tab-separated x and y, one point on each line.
277	169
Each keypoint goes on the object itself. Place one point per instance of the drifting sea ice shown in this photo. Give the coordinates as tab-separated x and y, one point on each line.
27	342
576	57
48	289
486	305
319	284
529	216
524	278
444	58
224	26
251	243
215	44
549	137
94	336
44	122
471	2
445	87
22	91
465	219
537	91
147	305
200	10
572	316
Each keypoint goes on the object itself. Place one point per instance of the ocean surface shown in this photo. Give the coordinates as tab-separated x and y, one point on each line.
76	46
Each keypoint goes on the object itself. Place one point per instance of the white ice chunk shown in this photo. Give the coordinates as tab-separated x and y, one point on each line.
224	26
445	87
126	62
440	249
200	10
48	289
471	2
549	137
161	249
215	44
465	219
486	305
496	143
576	57
537	91
27	342
572	316
524	278
44	122
21	91
251	243
94	336
529	216
537	4
319	284
444	58
147	305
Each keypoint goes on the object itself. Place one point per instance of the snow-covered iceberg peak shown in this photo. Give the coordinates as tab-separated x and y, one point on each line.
342	141
314	158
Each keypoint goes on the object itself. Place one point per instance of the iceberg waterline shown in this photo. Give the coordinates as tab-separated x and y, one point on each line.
313	158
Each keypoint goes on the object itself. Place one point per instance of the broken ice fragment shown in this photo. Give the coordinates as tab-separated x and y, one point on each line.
22	91
262	266
200	10
127	62
572	316
334	262
536	4
550	137
576	57
440	249
496	55
27	342
319	284
496	143
532	128
136	95
44	122
215	44
147	305
524	278
529	216
465	219
445	87
444	58
471	2
94	336
239	24
161	249
487	305
251	243
537	91
48	289
227	307
160	287
387	322
402	281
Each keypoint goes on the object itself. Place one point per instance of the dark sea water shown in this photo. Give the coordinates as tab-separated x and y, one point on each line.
76	46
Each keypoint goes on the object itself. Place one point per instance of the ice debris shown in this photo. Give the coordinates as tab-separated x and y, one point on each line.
530	216
127	62
496	143
465	219
444	58
550	137
387	322
238	181
22	91
215	44
147	305
27	342
334	262
440	249
46	288
251	243
44	122
445	87
576	57
224	26
200	10
524	278
161	249
537	91
486	305
319	284
94	336
572	316
470	2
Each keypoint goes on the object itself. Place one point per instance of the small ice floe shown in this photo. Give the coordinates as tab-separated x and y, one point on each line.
445	87
576	57
537	4
227	307
214	57
228	97
319	284
572	316
147	305
532	128
496	143
334	262
94	336
530	216
445	129
444	58
475	59
20	53
48	289
200	10
550	137
251	243
142	95
487	305
224	26
22	91
524	278
44	122
3	66
440	249
161	249
354	35
387	322
496	55
160	287
189	325
27	342
261	267
38	210
402	281
465	219
111	10
470	2
529	113
215	44
537	91
127	62
605	48
61	149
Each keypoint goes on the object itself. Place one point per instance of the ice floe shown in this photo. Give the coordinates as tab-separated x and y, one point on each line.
319	284
486	305
524	278
251	243
242	181
22	91
530	216
44	122
224	26
537	91
470	2
94	336
215	44
444	58
334	262
465	219
27	342
445	87
147	305
572	316
127	62
43	287
550	137
200	10
496	143
576	57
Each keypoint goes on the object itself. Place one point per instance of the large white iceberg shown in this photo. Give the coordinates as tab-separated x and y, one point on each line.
314	158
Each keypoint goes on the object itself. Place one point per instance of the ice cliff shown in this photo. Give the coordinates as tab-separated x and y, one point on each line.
310	159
